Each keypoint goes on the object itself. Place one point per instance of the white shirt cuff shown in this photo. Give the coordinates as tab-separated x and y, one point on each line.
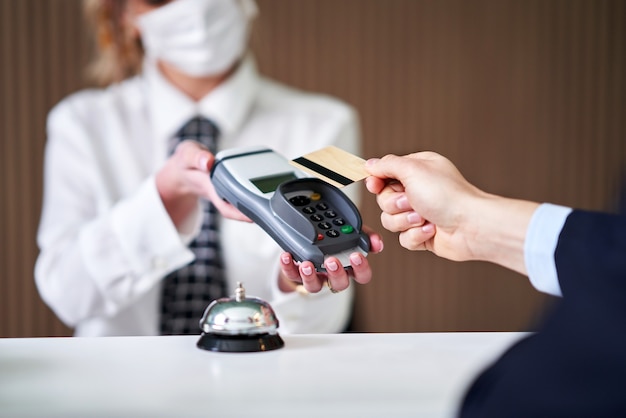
146	234
541	241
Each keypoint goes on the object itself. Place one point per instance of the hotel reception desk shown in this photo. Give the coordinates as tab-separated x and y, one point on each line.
346	375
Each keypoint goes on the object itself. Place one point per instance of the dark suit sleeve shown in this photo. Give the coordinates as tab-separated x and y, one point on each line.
575	365
591	257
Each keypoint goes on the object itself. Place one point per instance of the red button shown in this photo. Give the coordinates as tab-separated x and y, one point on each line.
320	237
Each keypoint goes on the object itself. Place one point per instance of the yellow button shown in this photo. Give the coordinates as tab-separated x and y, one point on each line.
315	196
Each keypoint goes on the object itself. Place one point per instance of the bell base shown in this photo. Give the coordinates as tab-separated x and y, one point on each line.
240	343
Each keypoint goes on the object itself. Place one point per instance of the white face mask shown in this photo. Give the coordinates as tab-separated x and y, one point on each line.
199	37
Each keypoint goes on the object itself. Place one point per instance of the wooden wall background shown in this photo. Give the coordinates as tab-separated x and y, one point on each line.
527	97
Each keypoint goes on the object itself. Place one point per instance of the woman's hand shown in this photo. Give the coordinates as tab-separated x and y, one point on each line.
336	277
185	178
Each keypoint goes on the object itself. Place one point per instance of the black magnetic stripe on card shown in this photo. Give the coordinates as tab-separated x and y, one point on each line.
323	171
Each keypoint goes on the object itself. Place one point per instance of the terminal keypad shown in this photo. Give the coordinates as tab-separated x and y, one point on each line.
327	221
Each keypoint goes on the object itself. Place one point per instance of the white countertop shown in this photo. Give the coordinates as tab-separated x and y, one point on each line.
351	375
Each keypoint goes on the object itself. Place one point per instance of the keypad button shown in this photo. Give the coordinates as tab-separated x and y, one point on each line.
317	217
347	229
330	214
339	221
315	196
322	206
320	237
300	200
324	225
308	210
333	233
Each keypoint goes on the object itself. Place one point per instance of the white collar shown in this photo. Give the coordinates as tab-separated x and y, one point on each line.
227	105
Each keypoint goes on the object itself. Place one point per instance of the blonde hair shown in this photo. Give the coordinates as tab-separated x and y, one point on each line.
118	51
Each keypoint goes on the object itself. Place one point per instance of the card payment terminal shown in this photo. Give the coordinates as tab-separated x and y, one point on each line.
306	216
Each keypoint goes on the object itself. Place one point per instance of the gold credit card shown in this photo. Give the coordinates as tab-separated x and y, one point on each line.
333	165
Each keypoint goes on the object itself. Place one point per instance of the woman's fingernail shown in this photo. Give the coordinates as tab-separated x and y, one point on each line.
285	259
204	161
332	266
428	228
356	260
403	203
414	218
307	270
372	161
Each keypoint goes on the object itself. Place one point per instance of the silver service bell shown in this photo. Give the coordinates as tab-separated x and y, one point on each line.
239	324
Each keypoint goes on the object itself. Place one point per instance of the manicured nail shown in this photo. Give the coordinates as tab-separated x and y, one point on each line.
307	270
285	259
332	266
204	161
372	161
428	228
356	260
414	218
403	203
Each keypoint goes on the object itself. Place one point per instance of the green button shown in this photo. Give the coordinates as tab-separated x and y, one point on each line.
347	229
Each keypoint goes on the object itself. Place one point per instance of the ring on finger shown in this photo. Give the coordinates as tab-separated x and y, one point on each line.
330	287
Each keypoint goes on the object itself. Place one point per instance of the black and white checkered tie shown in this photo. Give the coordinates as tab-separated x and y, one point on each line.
189	290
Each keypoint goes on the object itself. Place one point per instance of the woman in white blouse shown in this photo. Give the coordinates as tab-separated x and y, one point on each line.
118	212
